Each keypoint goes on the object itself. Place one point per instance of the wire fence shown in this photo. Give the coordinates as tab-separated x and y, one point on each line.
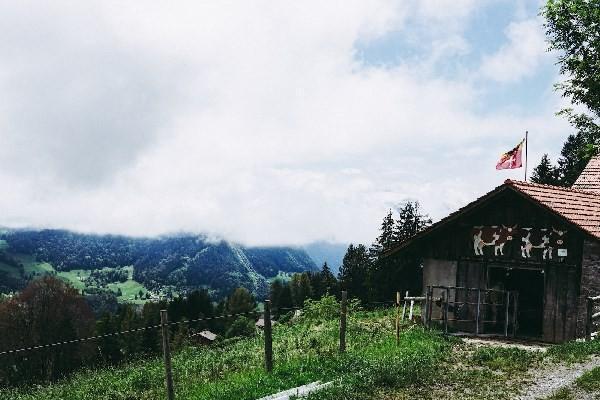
128	331
266	336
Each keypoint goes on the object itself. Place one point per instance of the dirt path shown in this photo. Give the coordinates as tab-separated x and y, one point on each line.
479	342
548	380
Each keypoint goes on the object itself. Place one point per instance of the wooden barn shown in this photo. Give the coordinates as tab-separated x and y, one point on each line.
521	261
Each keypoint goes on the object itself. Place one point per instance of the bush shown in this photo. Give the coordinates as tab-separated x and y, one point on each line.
242	326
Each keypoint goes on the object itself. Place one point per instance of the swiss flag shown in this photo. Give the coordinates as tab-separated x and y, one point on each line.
512	159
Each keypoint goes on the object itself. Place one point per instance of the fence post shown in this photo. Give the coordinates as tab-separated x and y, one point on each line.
478	311
343	322
515	313
588	320
268	337
404	306
397	318
507	305
446	307
429	305
164	325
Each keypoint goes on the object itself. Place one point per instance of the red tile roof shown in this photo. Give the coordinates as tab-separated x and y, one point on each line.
589	179
581	208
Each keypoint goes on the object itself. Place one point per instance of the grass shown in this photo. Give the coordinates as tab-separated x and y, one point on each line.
590	381
304	352
573	352
562	394
424	365
506	359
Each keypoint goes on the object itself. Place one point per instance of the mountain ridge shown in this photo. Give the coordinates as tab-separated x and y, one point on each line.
182	262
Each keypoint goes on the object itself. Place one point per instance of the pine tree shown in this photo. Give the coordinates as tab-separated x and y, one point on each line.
410	222
545	173
355	272
386	239
301	288
328	282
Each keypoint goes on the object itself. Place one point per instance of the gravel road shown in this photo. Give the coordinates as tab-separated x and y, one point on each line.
548	380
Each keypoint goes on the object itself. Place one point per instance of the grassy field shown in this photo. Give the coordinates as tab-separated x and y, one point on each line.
304	351
423	365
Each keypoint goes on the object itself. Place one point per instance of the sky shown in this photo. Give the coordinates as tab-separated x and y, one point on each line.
265	122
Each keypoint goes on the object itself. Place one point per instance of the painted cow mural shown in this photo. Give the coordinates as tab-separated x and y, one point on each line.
534	239
545	239
496	236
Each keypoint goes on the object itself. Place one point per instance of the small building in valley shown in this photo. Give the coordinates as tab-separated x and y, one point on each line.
204	337
522	259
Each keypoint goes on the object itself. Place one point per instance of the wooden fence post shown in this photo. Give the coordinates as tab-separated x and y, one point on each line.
446	308
343	322
397	318
478	311
429	305
507	306
515	313
588	319
164	325
404	306
268	337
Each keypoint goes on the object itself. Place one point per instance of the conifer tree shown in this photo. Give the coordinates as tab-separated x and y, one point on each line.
545	173
328	282
410	221
355	271
386	239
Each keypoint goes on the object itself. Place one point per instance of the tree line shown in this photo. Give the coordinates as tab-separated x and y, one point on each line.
50	311
366	273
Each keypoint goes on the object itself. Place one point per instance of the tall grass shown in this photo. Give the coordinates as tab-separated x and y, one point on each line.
305	350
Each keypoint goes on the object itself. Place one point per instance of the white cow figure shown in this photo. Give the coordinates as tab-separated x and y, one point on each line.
533	240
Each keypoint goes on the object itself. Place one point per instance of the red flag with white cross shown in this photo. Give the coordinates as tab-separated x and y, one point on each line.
512	159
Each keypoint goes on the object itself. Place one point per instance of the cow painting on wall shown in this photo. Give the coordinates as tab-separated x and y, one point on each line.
547	240
496	236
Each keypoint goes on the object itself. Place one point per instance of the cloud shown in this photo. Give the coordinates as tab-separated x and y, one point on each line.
521	56
251	121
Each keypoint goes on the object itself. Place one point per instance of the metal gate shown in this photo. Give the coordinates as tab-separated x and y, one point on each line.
472	310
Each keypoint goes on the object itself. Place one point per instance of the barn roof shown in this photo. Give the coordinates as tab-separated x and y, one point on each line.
589	179
579	207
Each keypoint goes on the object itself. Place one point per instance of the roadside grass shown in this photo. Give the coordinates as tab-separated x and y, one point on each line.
506	359
304	351
573	352
474	373
590	381
562	394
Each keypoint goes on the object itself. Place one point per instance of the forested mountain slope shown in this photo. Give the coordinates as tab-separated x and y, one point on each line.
181	262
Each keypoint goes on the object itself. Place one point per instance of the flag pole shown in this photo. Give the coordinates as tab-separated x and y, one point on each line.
526	157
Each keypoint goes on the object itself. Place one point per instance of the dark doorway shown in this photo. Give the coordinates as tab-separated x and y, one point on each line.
529	284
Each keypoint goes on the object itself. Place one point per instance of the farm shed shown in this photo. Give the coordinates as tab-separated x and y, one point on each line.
524	257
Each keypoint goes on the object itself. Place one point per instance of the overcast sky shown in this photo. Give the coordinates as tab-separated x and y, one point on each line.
264	122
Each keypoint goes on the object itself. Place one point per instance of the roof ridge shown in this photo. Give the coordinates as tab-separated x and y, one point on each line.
512	182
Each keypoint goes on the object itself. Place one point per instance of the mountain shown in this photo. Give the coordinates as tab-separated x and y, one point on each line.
332	253
157	265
